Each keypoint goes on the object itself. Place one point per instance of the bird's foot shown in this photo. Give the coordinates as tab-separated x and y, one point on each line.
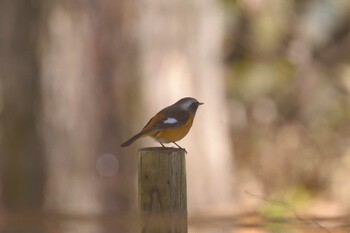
180	147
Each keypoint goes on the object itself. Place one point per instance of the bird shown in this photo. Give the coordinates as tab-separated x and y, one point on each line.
171	124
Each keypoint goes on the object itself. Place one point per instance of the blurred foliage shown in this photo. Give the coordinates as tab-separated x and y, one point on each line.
295	198
288	78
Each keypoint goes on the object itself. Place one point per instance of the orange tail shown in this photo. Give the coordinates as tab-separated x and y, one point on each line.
133	139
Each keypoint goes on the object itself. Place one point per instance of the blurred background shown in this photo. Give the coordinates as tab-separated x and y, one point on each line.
269	151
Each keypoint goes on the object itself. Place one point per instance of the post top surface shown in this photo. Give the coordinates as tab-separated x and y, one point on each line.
161	149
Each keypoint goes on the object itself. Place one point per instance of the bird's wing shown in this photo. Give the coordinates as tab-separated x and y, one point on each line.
167	119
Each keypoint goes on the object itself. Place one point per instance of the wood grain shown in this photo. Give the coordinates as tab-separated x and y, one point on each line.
162	190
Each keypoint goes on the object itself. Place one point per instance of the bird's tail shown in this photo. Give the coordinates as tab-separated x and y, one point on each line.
133	139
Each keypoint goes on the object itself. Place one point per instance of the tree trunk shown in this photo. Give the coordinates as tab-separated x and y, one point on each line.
88	70
180	56
21	160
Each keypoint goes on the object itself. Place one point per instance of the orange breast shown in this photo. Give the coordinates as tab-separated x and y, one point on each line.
173	135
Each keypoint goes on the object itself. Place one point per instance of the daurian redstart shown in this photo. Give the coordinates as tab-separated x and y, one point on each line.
170	124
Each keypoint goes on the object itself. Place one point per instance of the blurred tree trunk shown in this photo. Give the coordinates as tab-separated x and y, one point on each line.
70	109
180	56
88	68
21	160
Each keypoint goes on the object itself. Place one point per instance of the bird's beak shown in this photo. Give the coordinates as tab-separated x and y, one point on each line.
200	103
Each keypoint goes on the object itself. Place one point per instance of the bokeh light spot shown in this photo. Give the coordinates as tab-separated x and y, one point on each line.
107	165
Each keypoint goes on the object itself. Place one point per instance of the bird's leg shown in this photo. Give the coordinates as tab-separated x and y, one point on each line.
180	147
177	145
161	144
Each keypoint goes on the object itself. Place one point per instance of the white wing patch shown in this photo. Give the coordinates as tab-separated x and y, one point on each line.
170	120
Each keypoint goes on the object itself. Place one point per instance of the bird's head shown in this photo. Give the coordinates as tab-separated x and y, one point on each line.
189	104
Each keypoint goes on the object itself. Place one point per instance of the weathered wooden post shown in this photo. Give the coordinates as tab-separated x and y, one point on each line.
162	190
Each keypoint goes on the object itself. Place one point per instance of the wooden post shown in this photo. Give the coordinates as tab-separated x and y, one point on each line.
162	190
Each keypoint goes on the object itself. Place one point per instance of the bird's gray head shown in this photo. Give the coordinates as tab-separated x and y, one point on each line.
188	104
